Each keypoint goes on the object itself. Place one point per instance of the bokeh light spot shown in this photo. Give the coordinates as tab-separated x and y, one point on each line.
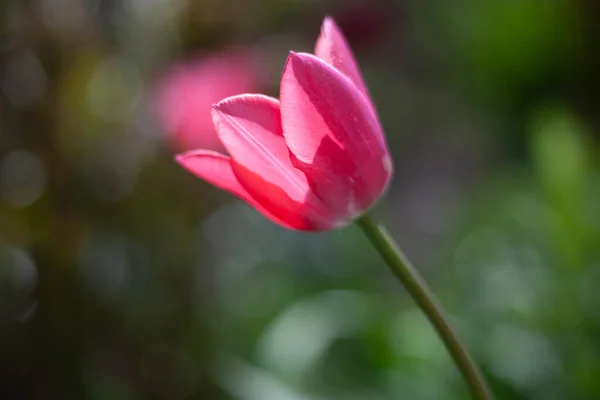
22	178
115	89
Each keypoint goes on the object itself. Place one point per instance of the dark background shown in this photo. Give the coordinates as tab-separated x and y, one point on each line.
124	277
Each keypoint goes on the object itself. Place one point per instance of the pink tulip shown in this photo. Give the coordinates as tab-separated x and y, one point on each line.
314	160
185	95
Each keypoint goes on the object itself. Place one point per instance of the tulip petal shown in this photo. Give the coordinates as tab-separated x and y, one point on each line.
333	48
333	133
297	215
217	169
250	128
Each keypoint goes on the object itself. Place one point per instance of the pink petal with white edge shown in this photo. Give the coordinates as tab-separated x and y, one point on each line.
250	128
334	134
333	48
217	169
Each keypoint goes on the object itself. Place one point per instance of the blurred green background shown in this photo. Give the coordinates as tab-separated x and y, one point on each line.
124	277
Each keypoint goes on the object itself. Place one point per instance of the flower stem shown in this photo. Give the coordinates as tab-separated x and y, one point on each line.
426	300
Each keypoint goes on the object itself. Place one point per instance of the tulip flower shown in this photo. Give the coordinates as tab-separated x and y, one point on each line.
316	159
185	95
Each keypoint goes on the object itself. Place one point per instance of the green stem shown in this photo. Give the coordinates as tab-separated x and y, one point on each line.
426	300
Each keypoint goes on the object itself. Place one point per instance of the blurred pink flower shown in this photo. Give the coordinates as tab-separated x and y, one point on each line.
185	95
313	160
